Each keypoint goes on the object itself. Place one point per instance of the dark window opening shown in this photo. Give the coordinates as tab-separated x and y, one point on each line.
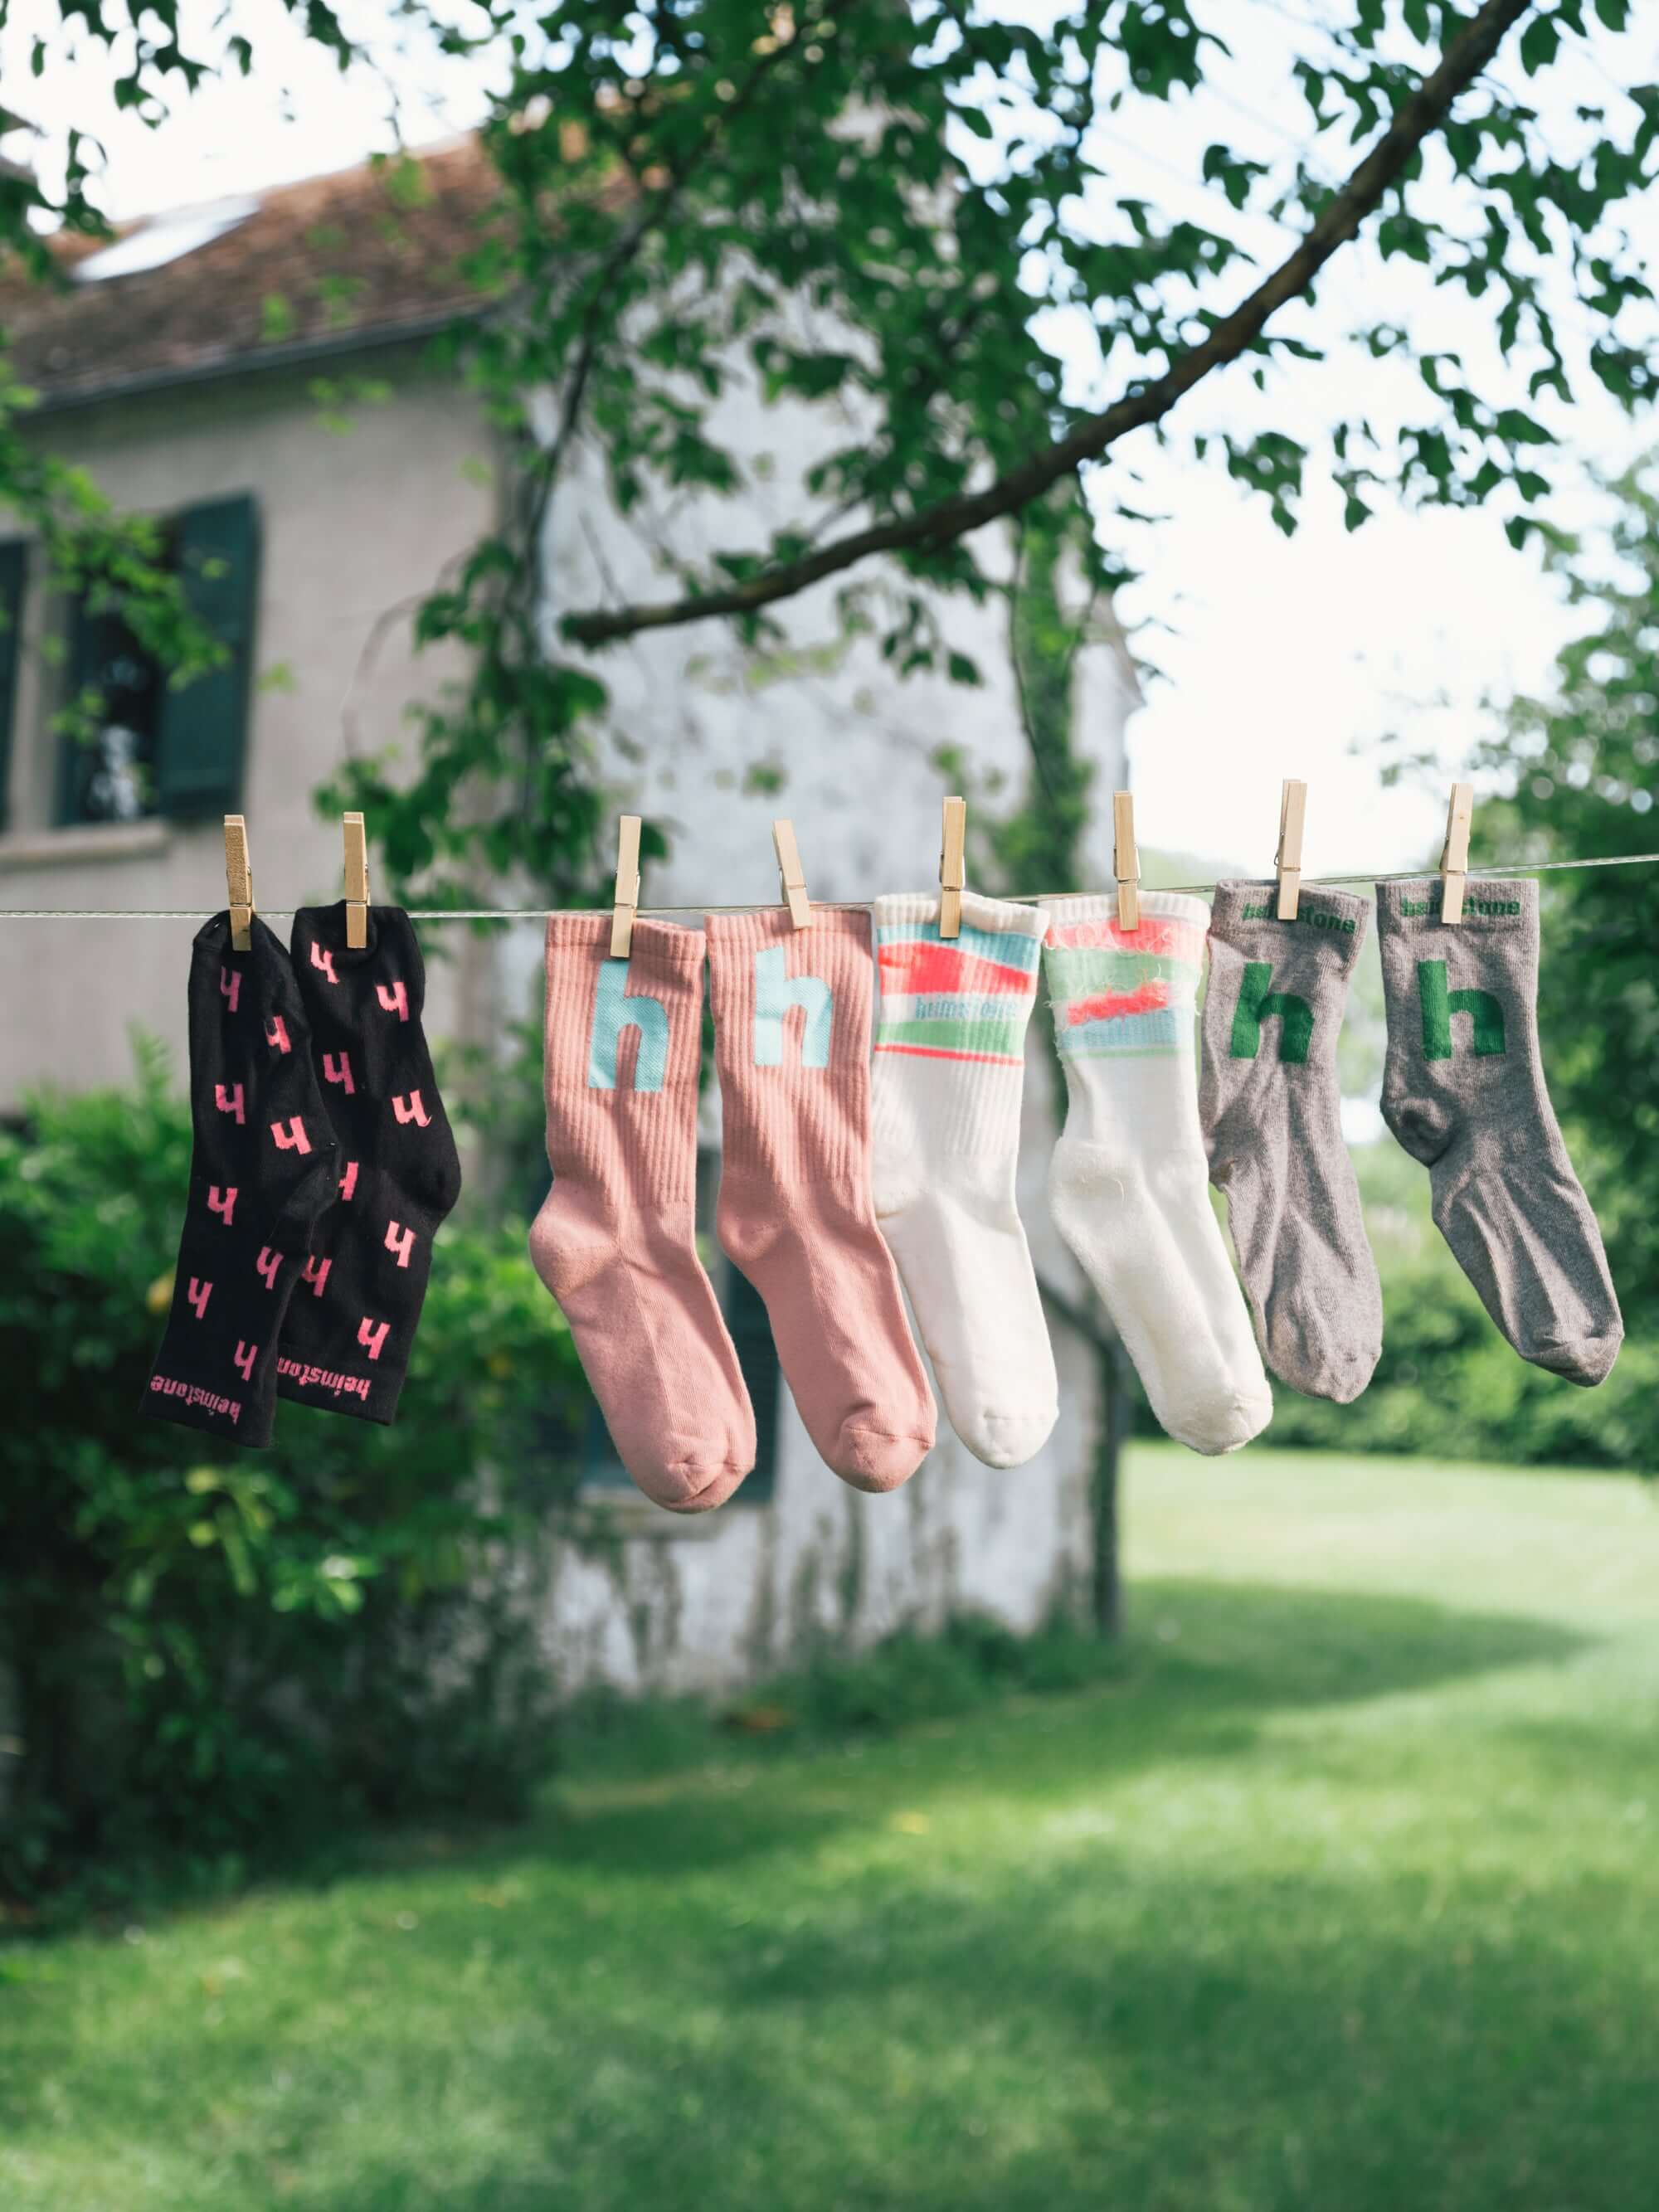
133	745
117	694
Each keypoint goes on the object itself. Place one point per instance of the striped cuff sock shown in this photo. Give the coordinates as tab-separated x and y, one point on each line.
950	1064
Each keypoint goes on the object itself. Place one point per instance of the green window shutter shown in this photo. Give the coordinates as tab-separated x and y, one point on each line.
14	575
203	734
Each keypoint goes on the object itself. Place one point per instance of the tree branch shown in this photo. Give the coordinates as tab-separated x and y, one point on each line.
1338	222
650	216
543	470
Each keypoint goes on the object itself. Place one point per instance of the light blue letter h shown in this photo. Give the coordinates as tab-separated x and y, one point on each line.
615	1008
775	993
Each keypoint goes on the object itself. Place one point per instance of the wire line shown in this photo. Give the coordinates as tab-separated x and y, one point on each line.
1019	898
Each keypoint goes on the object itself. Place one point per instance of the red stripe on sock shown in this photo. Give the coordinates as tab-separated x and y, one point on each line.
942	1052
1112	1006
916	967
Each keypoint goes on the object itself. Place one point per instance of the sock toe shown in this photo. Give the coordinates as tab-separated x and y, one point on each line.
1586	1360
1220	1429
700	1478
1339	1377
1007	1439
1344	1382
709	1488
874	1461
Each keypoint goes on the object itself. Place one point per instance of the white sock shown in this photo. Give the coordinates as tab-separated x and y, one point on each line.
949	1065
1129	1184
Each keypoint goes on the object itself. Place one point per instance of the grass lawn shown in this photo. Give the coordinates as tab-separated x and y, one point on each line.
1343	1895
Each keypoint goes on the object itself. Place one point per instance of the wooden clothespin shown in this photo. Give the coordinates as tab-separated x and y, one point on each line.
625	903
1126	861
1454	858
790	878
356	881
952	868
238	881
1287	862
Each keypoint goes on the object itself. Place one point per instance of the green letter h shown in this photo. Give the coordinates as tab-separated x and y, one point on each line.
1259	1002
1439	1005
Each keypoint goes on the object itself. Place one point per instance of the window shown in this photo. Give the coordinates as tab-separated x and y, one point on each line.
752	1339
142	748
108	769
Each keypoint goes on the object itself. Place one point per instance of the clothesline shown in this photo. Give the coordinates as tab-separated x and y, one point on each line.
1019	898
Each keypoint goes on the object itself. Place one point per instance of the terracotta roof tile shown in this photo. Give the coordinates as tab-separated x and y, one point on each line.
328	262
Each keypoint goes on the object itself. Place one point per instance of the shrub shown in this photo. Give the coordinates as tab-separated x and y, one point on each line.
909	1678
208	1651
1448	1384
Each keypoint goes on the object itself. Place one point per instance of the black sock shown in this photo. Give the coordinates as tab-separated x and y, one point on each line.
262	1174
351	1326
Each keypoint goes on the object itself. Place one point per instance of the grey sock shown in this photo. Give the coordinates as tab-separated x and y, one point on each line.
1463	1092
1272	1125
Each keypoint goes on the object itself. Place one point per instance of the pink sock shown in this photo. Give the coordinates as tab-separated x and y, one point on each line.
792	1043
616	1240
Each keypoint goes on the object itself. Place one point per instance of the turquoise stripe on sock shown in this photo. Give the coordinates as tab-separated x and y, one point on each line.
1167	1031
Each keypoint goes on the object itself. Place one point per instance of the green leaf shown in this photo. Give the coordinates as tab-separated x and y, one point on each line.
1539	43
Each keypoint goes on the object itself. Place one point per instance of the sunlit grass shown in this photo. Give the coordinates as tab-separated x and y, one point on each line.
1342	1894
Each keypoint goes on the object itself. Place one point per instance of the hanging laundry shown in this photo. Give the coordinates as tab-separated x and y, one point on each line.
616	1240
792	1048
1271	1111
949	1066
350	1329
1128	1184
262	1175
1463	1091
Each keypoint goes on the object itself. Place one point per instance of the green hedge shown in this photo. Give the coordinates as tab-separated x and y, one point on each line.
206	1651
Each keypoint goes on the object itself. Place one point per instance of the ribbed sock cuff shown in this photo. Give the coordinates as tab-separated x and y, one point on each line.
1007	917
1124	991
621	1083
791	1041
1490	902
578	944
952	1017
1067	914
1247	914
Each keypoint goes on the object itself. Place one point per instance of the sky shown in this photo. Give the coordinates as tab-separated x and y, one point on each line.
1275	656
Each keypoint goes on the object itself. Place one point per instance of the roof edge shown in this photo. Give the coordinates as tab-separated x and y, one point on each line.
253	362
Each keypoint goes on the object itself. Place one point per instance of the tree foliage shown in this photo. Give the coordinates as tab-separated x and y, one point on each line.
886	210
1579	769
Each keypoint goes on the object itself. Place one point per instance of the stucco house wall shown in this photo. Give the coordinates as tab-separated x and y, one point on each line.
712	743
356	526
350	528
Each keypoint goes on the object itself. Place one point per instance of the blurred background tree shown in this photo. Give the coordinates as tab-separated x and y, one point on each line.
891	207
1579	772
1571	774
